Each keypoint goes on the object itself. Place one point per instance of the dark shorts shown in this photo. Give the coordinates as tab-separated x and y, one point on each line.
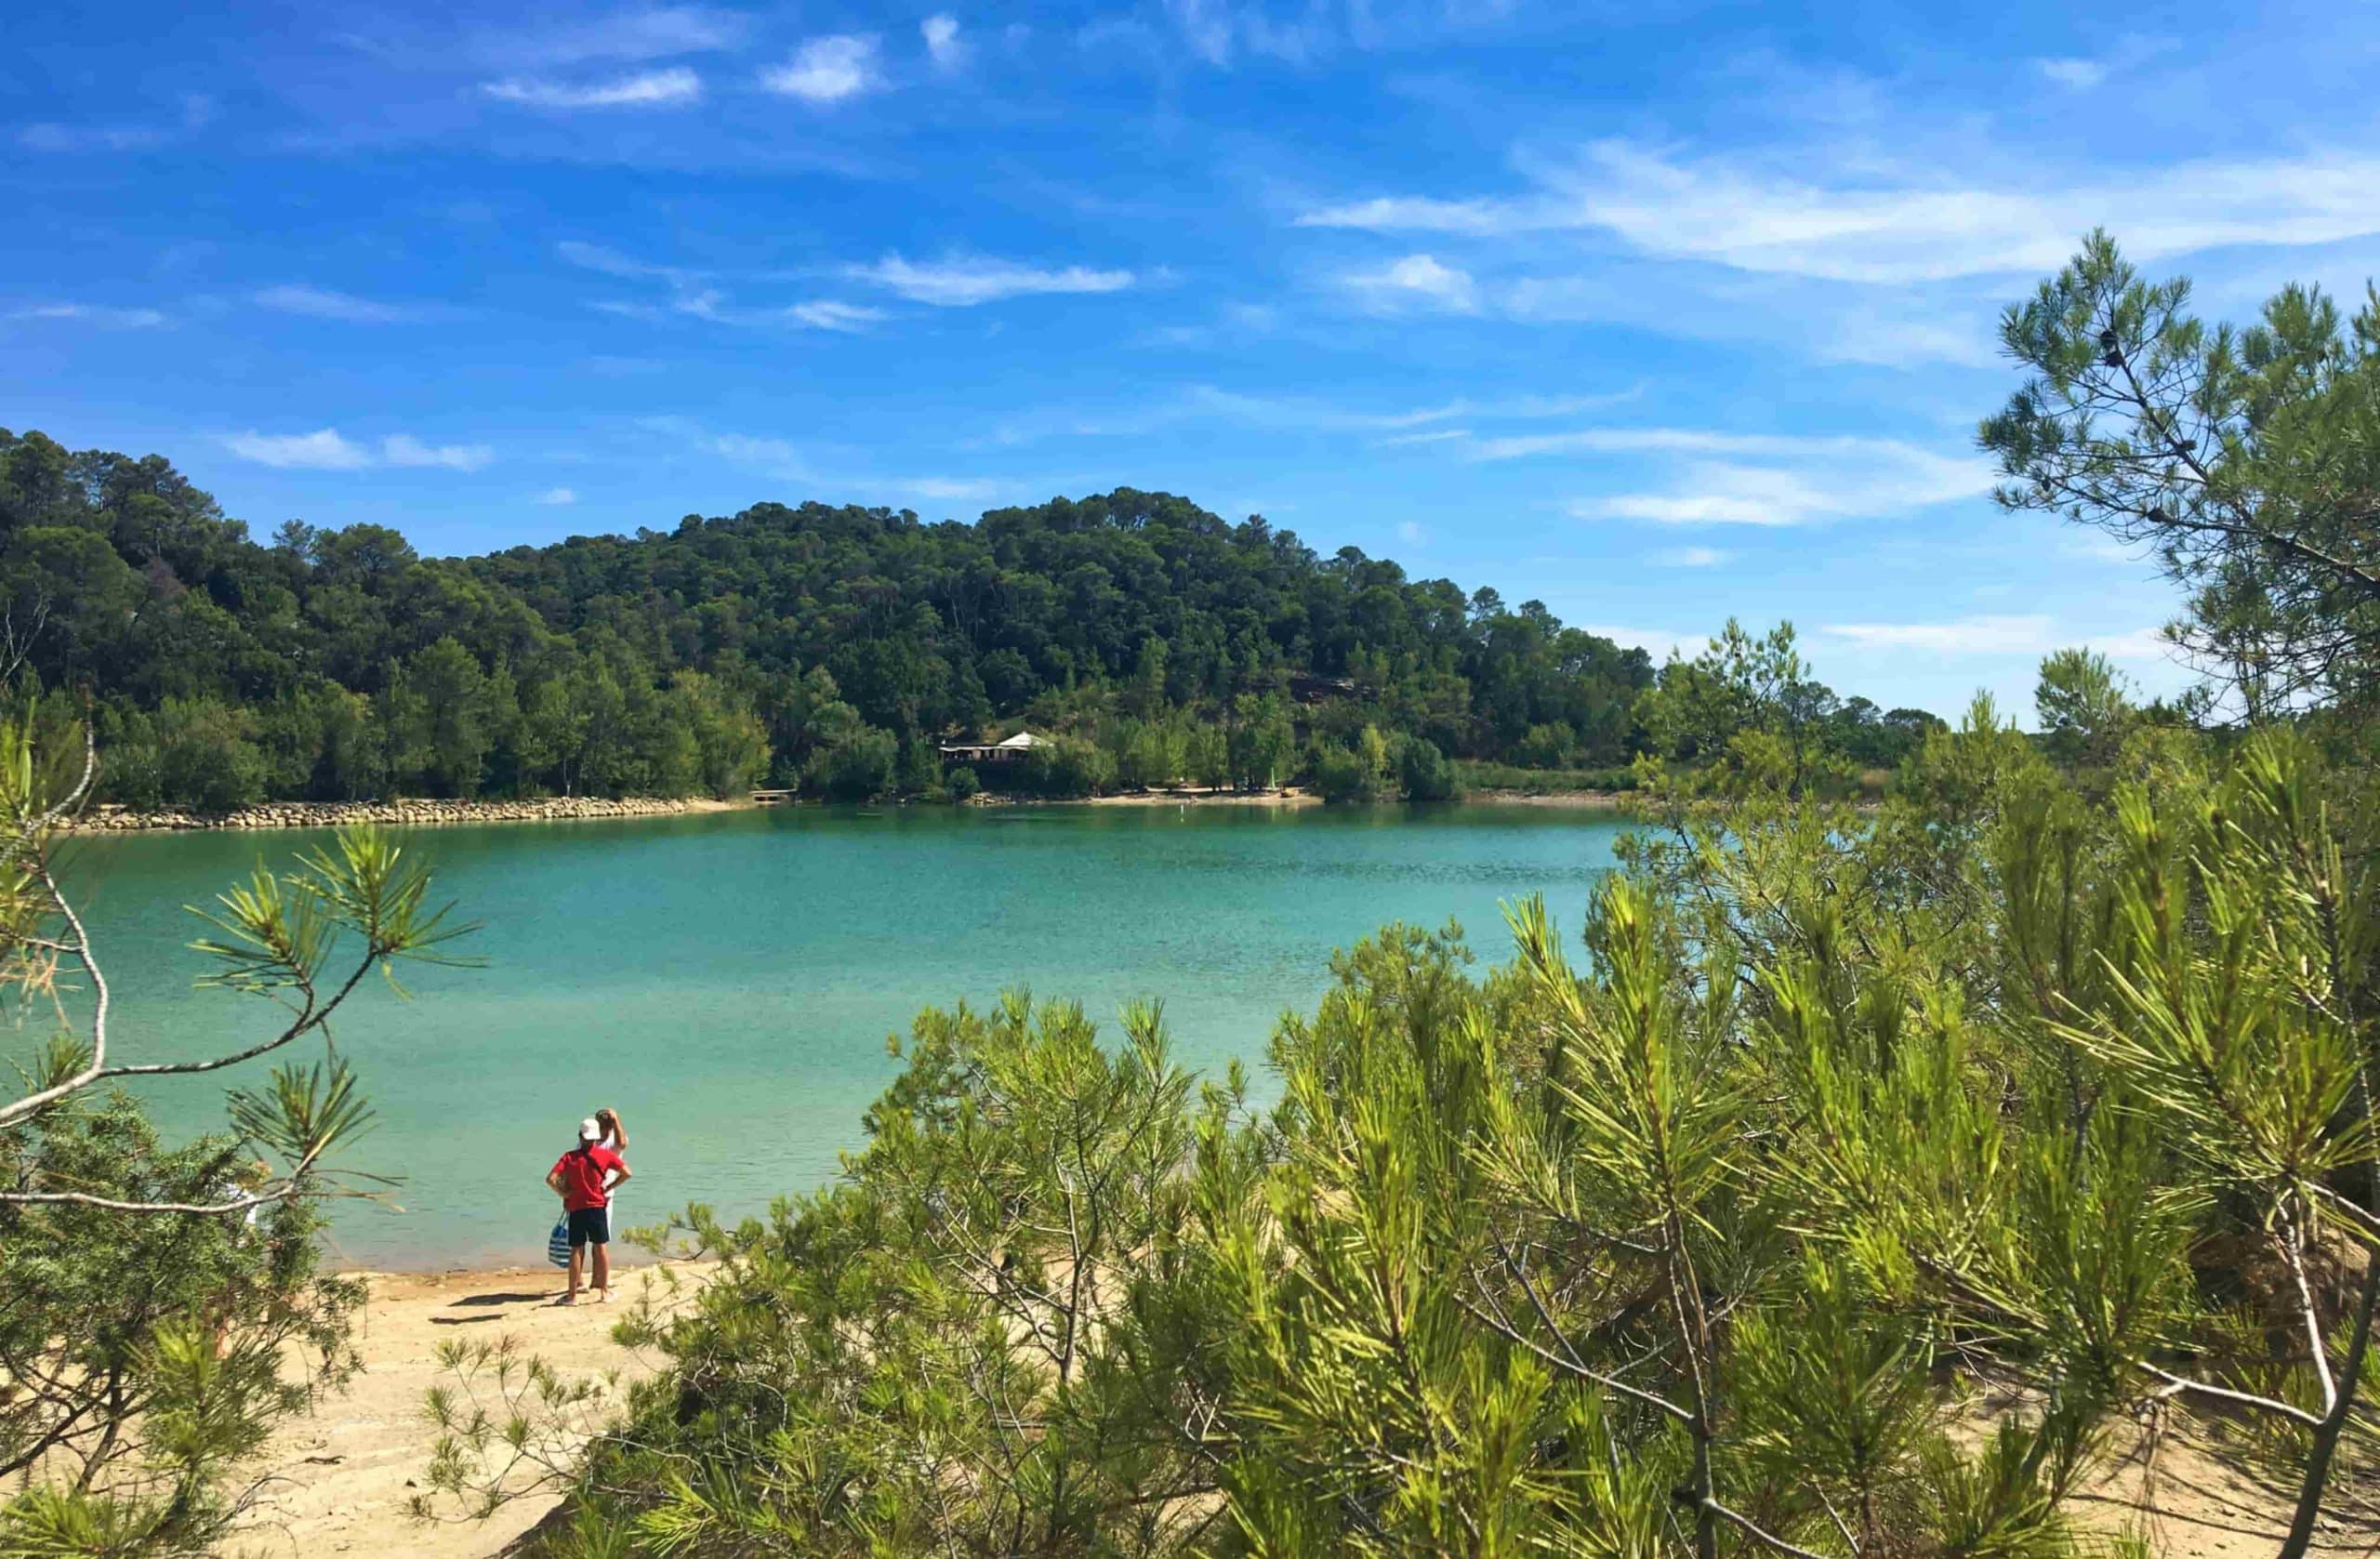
590	1226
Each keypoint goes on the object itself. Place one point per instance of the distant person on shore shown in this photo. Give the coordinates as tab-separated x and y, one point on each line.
616	1134
584	1178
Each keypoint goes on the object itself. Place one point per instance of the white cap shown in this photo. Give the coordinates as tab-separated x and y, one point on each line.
589	1132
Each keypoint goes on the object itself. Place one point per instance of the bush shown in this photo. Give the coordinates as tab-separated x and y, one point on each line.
1341	775
1067	768
1473	775
1424	772
856	768
206	757
962	783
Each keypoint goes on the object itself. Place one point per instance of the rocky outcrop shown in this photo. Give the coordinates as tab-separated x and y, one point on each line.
398	814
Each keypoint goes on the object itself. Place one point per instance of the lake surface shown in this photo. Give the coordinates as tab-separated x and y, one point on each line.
727	981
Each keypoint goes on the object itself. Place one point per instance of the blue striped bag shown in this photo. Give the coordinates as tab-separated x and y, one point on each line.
558	1243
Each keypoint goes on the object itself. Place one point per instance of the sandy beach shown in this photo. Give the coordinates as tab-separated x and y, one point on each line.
341	1480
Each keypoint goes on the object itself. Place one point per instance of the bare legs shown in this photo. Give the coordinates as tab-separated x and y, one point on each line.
602	1262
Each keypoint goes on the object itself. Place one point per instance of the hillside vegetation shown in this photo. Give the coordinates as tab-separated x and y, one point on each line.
829	649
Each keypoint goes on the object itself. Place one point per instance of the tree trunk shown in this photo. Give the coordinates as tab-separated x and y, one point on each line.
2326	1437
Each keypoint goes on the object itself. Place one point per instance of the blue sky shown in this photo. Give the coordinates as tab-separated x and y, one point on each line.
1659	312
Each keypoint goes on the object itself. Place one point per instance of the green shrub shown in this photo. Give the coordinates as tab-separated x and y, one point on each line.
1424	772
1067	768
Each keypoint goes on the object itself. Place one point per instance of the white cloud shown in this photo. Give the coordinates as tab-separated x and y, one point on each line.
611	262
2080	74
1412	532
198	110
91	313
941	33
323	303
1805	478
324	450
2030	635
1201	400
403	449
1690	557
669	88
1796	216
827	70
1465	218
962	281
327	449
973	487
555	497
1415	281
49	137
827	314
777	453
652	32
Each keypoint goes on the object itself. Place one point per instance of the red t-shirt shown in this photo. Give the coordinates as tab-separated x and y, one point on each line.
583	1170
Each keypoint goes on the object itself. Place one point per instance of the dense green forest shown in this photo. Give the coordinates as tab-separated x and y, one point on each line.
830	648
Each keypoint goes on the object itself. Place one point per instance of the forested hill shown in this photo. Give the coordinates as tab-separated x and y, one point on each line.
812	645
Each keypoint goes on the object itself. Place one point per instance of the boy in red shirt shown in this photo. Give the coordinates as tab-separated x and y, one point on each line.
585	1178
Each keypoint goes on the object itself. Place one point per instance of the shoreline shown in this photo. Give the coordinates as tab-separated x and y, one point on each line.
341	1478
406	813
426	813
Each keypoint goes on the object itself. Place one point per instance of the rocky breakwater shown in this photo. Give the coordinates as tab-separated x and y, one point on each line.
399	814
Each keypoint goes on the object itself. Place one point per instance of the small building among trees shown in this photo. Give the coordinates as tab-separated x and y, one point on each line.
995	754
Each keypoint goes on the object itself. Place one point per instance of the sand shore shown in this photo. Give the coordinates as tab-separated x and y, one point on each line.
341	1479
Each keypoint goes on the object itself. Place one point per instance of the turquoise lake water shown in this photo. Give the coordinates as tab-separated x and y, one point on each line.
727	981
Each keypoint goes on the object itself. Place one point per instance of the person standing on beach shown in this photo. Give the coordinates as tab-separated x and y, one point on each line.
584	1179
615	1137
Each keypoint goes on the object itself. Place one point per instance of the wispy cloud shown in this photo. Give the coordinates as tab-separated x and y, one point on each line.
324	450
826	313
402	449
52	137
327	449
1690	557
1417	281
1801	479
1782	216
1438	435
2080	74
963	281
611	262
2030	634
1205	402
673	88
1222	31
827	70
91	313
943	42
555	497
967	489
646	32
198	110
326	304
